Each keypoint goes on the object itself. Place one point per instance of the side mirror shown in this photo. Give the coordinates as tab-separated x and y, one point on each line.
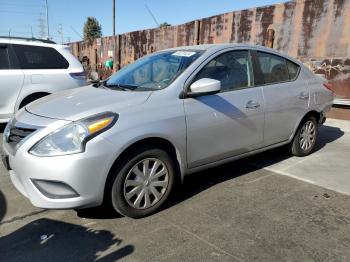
204	86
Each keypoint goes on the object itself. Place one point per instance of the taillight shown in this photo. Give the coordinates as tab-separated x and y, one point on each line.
78	75
329	86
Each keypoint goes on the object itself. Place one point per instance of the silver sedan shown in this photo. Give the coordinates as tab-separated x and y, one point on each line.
126	141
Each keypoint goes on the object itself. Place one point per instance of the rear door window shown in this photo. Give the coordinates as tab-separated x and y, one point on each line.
38	57
273	68
293	70
4	58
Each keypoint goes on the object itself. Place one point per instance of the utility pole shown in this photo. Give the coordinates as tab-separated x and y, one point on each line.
113	17
114	39
42	28
47	20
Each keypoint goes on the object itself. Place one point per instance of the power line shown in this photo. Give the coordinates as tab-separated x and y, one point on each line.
150	12
76	32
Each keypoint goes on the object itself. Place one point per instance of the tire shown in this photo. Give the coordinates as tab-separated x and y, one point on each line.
305	138
127	177
31	98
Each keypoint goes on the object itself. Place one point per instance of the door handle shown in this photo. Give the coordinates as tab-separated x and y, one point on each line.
252	104
303	96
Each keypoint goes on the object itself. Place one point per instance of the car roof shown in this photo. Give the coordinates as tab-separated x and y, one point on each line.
29	41
217	47
204	47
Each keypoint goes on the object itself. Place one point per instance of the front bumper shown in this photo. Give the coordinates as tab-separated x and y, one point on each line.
62	182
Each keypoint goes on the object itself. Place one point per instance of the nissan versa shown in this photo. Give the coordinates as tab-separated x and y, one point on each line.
126	141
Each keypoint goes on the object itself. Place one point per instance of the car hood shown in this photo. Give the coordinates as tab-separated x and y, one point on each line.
75	104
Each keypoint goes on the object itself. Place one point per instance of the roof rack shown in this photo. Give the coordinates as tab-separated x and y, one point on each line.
29	39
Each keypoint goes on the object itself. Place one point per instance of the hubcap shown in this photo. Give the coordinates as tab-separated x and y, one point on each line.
146	183
308	136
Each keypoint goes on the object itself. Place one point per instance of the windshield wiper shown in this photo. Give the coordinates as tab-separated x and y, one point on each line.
123	87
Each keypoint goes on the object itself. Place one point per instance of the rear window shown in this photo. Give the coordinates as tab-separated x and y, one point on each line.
4	58
273	68
38	57
293	70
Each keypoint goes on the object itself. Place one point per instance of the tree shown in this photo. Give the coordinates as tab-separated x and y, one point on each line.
92	29
163	25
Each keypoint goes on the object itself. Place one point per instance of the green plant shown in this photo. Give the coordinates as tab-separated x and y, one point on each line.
92	29
165	24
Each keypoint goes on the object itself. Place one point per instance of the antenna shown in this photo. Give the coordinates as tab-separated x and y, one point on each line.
150	12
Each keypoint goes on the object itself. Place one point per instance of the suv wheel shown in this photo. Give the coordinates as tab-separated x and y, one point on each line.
305	138
143	183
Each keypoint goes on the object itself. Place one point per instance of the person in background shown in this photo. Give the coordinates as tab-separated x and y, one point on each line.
109	63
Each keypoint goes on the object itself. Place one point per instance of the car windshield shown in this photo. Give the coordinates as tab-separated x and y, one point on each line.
152	72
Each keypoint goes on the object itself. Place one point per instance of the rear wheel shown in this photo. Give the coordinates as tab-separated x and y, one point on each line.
142	183
305	138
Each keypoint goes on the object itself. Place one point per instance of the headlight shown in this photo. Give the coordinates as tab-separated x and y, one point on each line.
72	138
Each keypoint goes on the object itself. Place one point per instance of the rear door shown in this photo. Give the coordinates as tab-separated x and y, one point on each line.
286	95
44	68
11	81
228	123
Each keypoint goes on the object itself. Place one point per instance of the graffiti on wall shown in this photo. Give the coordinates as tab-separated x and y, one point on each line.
331	68
336	71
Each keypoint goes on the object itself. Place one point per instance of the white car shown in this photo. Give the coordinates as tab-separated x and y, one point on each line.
33	68
126	141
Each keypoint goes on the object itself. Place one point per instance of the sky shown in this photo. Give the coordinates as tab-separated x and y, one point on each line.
67	17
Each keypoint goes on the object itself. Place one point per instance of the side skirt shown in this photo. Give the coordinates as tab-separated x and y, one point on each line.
230	159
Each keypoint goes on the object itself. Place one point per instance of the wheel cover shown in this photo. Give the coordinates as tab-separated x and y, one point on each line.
146	183
307	136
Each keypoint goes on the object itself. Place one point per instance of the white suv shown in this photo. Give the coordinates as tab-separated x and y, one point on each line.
33	68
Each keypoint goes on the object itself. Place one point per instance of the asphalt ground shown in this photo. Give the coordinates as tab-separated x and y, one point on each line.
270	207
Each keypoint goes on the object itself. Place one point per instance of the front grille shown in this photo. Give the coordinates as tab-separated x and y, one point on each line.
17	134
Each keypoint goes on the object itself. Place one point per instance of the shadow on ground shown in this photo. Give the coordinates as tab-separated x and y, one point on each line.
326	135
51	240
3	207
198	182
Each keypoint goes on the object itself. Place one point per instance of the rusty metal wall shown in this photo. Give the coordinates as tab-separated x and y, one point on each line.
305	29
302	28
139	43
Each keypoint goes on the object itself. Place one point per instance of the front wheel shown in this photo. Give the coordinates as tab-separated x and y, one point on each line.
143	183
305	138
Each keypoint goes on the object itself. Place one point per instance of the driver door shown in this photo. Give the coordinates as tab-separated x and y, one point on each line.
231	122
